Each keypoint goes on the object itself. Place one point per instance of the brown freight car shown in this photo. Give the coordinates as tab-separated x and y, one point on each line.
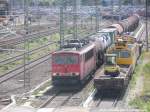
127	25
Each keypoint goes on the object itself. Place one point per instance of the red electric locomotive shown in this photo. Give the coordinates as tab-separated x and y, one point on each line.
73	64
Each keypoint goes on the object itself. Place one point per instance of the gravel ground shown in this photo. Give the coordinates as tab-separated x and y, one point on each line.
15	85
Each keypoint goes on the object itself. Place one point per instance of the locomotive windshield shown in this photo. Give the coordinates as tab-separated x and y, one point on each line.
122	54
65	59
110	60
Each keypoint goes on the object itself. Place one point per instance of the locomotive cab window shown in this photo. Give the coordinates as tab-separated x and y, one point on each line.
124	54
110	60
65	59
116	52
89	55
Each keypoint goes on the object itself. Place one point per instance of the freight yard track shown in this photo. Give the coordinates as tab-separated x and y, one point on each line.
20	69
61	98
68	96
107	99
21	39
58	99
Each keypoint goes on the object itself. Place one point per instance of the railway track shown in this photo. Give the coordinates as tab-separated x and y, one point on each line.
68	96
58	99
21	56
21	39
62	98
20	69
108	99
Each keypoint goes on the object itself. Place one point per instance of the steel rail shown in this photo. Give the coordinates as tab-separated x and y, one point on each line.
50	99
20	69
20	40
18	57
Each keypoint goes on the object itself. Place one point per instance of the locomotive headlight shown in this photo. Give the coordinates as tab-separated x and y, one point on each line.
55	74
75	74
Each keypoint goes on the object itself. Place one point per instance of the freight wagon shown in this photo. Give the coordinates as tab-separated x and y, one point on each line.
124	53
127	25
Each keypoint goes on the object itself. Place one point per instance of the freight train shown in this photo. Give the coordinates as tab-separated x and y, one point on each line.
4	10
120	61
76	61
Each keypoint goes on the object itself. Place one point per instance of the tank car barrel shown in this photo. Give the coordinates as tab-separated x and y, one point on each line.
127	25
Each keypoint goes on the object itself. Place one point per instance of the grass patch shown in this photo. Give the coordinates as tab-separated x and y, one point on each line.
137	71
5	55
10	66
143	101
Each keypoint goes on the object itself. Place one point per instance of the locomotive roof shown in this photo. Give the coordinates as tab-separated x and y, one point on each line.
82	50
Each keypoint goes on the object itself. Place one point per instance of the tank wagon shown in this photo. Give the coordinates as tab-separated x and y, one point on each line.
4	10
127	25
102	40
118	69
76	61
